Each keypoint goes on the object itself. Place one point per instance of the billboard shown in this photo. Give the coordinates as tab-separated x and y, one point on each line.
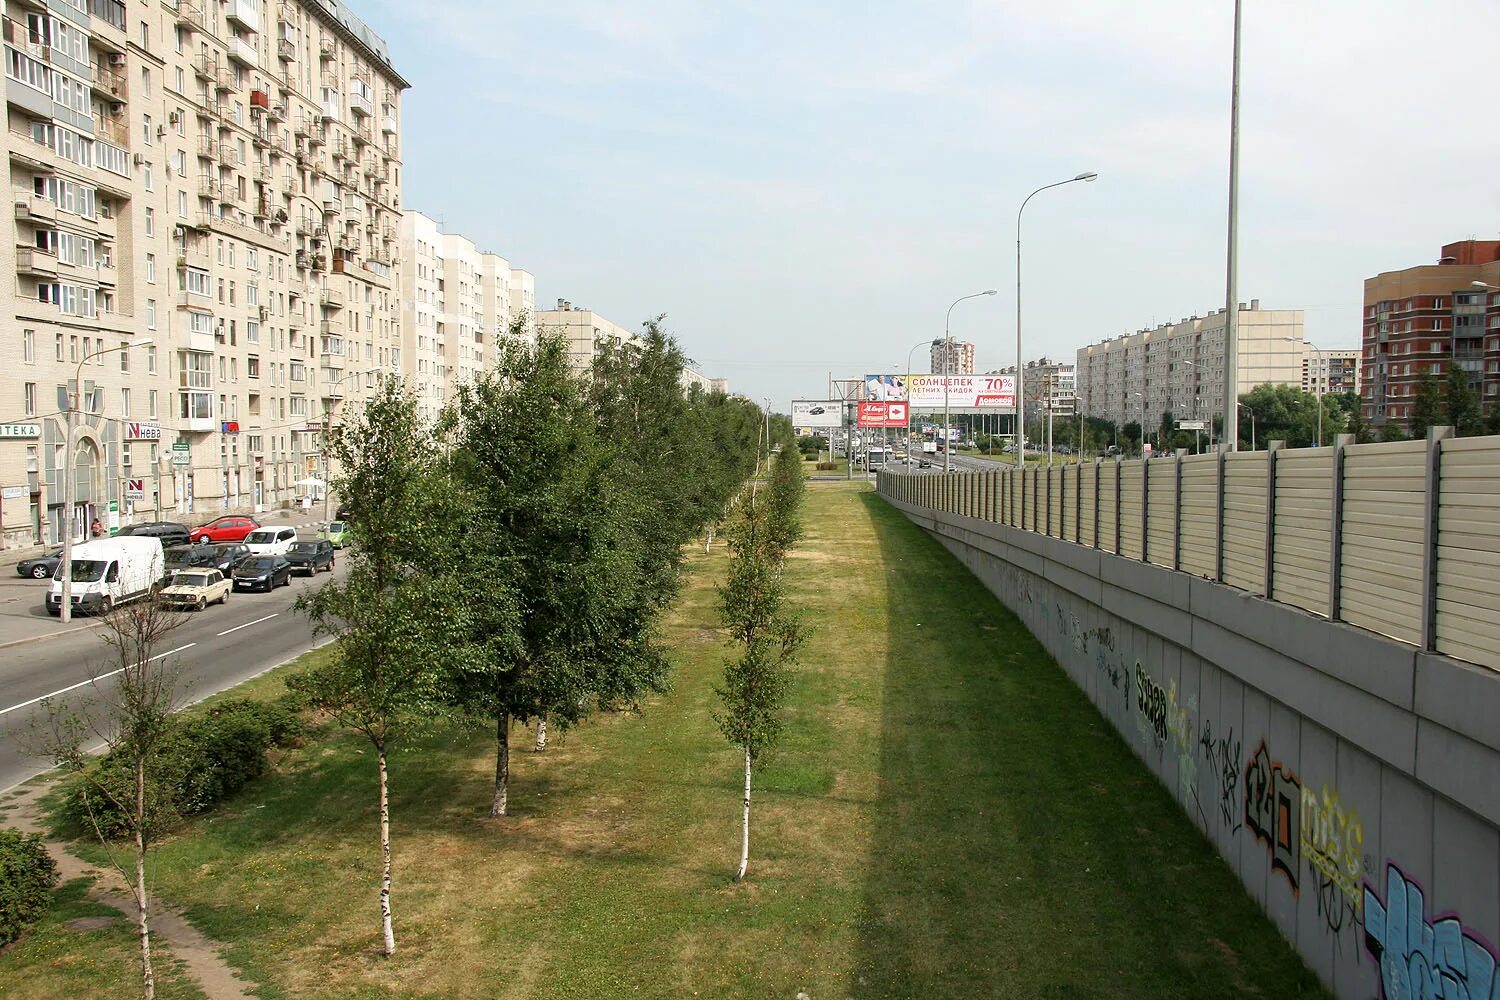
876	414
883	388
817	413
965	392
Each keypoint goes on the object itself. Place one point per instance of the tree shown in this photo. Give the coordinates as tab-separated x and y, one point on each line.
765	636
1461	403
1427	410
394	614
1357	426
562	579
132	718
1392	431
1492	422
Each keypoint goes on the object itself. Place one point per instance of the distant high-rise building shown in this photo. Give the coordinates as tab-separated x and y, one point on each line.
586	331
1179	367
1332	372
956	358
1420	320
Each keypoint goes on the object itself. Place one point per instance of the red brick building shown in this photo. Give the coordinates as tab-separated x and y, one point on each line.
1423	318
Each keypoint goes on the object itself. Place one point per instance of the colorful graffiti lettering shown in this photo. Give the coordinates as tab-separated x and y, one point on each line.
1332	838
1273	800
1150	706
1420	960
1224	755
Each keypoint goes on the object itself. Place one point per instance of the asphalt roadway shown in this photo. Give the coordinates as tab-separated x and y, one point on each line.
217	648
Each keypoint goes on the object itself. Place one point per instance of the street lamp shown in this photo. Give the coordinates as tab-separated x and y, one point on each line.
1020	394
71	420
1232	254
1142	422
909	353
948	363
1321	374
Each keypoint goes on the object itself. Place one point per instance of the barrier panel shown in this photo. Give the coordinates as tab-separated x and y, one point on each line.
1109	506
1132	508
1300	568
1246	507
1198	545
1466	600
1161	512
1088	493
1382	532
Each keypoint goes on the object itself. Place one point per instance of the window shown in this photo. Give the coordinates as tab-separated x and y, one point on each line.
124	402
197	281
179	162
151	361
252	259
124	357
146	130
252	367
150	222
177	44
28	346
231	253
252	331
29	399
151	403
145	82
151	314
182	204
151	268
146	177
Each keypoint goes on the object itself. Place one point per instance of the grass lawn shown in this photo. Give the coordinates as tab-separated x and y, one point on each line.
948	817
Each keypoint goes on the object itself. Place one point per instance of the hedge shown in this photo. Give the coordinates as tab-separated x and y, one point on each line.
27	875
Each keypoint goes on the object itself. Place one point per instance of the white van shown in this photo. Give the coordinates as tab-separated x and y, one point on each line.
108	572
271	541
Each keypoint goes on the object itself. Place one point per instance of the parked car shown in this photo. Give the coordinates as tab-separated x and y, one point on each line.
270	541
311	557
262	573
108	572
169	532
338	533
225	529
189	557
924	464
195	588
228	555
342	513
41	567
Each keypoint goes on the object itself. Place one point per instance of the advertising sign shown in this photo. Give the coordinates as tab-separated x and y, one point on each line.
20	430
873	414
229	427
883	388
965	392
817	413
135	489
180	446
143	432
12	493
1192	425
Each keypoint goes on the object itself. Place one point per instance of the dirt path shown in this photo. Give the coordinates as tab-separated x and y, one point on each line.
199	954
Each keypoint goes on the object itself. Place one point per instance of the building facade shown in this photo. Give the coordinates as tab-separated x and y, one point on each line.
585	331
1420	320
1331	372
222	178
955	358
1179	367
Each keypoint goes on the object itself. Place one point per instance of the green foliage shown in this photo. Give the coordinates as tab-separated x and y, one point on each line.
1355	422
197	764
1427	409
1392	431
1288	413
27	875
1461	403
784	499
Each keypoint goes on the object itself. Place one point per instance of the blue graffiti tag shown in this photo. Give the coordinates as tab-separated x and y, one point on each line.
1420	960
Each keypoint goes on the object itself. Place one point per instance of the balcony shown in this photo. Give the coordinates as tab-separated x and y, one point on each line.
206	65
242	51
317	135
35	262
193	258
286	50
331	339
197	425
111	129
325	49
388	119
243	14
362	134
331	206
332	299
208	186
360	104
34	208
193	300
354	213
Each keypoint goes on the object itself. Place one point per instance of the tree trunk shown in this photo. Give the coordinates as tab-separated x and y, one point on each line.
541	734
502	765
745	839
708	539
148	978
386	929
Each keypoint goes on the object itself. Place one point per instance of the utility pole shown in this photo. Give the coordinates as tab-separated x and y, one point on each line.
1231	292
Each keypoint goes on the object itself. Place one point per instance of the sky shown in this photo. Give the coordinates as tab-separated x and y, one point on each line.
804	188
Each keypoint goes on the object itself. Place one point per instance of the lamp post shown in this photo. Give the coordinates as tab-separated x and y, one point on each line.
1142	422
767	401
75	396
1020	364
909	353
1321	374
1231	278
948	363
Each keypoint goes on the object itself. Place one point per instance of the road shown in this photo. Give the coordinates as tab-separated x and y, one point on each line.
218	648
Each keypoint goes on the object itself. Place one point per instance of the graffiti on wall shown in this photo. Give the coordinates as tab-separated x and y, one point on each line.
1223	755
1150	707
1418	959
1273	802
1332	839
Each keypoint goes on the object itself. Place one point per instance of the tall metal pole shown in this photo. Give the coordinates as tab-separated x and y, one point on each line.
948	363
1231	291
74	392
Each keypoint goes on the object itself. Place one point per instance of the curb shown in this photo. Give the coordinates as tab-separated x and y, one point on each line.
50	635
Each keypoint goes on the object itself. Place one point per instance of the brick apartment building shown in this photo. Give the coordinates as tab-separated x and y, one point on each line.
1423	318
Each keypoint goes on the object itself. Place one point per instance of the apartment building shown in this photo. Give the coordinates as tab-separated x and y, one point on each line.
955	358
692	377
222	178
1048	386
1422	319
1332	372
585	331
1179	367
459	301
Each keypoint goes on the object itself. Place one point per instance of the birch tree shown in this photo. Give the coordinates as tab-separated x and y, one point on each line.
393	613
128	708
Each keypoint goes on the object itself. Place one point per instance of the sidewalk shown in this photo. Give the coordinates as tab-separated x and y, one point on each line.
22	615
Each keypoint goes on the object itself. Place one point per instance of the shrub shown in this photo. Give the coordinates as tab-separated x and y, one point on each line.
825	467
27	875
203	761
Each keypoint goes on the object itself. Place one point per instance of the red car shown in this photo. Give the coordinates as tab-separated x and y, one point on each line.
224	529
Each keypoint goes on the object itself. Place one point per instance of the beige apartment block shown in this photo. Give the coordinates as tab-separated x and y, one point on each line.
1331	372
692	377
460	301
223	177
956	358
1179	367
585	331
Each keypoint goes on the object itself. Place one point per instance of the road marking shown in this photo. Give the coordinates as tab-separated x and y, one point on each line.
248	624
91	680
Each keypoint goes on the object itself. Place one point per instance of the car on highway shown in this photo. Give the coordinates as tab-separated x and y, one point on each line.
169	532
40	567
270	541
225	529
228	555
311	557
262	573
195	589
924	464
338	533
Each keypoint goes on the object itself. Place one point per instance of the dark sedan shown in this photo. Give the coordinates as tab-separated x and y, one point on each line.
262	573
228	555
41	567
311	557
190	557
169	532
